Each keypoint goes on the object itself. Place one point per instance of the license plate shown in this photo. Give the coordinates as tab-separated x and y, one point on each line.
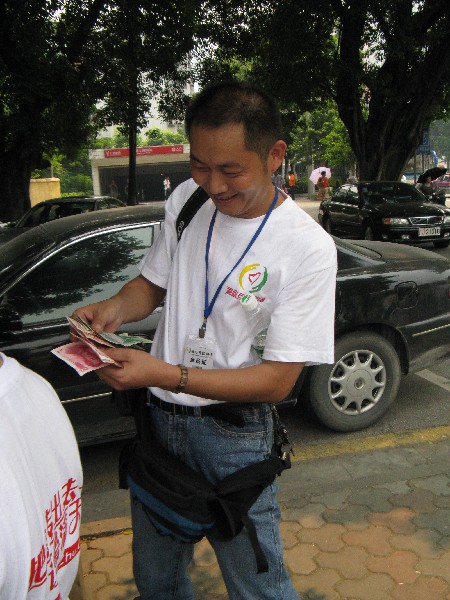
427	231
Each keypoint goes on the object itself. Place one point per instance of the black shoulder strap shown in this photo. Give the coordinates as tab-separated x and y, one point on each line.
189	210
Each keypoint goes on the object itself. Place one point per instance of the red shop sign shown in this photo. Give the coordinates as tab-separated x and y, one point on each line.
145	150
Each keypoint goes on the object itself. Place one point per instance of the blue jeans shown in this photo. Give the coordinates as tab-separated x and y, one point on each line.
216	449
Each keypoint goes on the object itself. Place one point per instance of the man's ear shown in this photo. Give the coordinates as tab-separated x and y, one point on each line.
276	155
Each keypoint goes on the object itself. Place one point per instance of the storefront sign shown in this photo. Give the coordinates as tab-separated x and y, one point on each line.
144	151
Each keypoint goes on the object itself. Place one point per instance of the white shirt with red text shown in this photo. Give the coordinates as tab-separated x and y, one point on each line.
40	489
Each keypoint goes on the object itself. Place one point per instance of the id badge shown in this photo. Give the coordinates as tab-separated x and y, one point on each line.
199	352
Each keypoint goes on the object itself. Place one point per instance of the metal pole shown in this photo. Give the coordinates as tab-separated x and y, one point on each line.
311	187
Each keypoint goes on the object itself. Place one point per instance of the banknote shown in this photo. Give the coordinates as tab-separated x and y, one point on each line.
83	357
84	330
85	352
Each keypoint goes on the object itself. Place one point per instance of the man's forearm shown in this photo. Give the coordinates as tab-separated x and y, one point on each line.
268	382
138	299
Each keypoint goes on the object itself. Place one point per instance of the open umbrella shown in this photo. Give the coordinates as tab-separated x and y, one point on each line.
434	173
314	177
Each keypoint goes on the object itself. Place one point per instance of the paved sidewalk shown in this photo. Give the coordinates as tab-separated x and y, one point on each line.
371	525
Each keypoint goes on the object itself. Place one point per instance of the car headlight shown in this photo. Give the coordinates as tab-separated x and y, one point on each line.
447	219
395	221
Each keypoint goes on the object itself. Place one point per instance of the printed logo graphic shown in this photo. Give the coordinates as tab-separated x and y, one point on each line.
253	277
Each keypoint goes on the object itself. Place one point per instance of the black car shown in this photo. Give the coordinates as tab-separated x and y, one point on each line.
392	315
56	208
389	211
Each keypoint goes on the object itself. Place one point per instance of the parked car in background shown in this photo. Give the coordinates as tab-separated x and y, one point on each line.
56	208
443	184
47	272
386	211
392	315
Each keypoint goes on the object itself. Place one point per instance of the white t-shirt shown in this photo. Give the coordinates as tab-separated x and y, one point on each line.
291	268
40	489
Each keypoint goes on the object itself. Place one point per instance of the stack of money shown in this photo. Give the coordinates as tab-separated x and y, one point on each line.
86	354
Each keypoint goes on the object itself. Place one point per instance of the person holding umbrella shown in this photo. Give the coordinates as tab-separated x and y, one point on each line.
321	177
425	184
323	185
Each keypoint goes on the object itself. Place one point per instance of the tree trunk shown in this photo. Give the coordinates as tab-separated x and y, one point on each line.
132	187
16	167
132	107
385	111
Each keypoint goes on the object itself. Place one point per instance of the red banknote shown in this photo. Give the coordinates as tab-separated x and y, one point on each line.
83	357
86	354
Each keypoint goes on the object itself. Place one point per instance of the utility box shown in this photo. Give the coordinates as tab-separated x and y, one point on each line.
44	189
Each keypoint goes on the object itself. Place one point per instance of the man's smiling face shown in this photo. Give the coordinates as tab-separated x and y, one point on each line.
237	180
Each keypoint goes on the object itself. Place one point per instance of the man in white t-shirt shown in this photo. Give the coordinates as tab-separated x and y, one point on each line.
40	489
248	237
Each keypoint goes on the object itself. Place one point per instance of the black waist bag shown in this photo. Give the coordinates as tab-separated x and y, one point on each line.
181	503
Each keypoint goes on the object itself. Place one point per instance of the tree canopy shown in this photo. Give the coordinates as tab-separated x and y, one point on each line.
59	59
68	67
321	135
385	64
47	88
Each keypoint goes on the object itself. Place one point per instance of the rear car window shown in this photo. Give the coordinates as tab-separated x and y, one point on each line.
92	268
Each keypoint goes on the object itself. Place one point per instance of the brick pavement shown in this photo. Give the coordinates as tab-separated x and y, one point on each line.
370	525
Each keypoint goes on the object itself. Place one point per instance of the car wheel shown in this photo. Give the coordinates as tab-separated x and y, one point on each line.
327	225
359	388
441	244
369	233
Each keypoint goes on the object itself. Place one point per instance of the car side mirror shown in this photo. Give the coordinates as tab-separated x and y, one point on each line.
9	319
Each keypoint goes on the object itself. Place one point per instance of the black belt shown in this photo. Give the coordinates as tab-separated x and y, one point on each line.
232	413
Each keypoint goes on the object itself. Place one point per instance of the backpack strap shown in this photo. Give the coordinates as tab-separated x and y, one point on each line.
190	209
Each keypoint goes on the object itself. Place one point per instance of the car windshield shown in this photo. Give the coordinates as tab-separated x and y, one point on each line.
390	193
50	211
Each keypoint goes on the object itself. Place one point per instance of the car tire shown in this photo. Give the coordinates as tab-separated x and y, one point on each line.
327	225
359	387
369	233
441	244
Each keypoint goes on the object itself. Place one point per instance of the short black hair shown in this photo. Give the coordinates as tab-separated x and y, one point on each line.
234	103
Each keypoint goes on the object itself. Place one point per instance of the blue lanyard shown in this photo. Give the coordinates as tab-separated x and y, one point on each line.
210	305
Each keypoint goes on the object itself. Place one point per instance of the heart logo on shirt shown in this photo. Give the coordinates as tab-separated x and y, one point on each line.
254	275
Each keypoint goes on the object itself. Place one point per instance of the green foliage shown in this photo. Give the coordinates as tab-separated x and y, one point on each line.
145	42
320	136
440	138
385	65
152	137
159	137
77	193
302	185
118	140
48	88
337	150
76	183
61	60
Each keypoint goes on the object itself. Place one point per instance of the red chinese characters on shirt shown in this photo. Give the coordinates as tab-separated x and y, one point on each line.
62	518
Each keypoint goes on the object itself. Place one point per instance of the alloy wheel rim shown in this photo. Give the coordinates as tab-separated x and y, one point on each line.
357	382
